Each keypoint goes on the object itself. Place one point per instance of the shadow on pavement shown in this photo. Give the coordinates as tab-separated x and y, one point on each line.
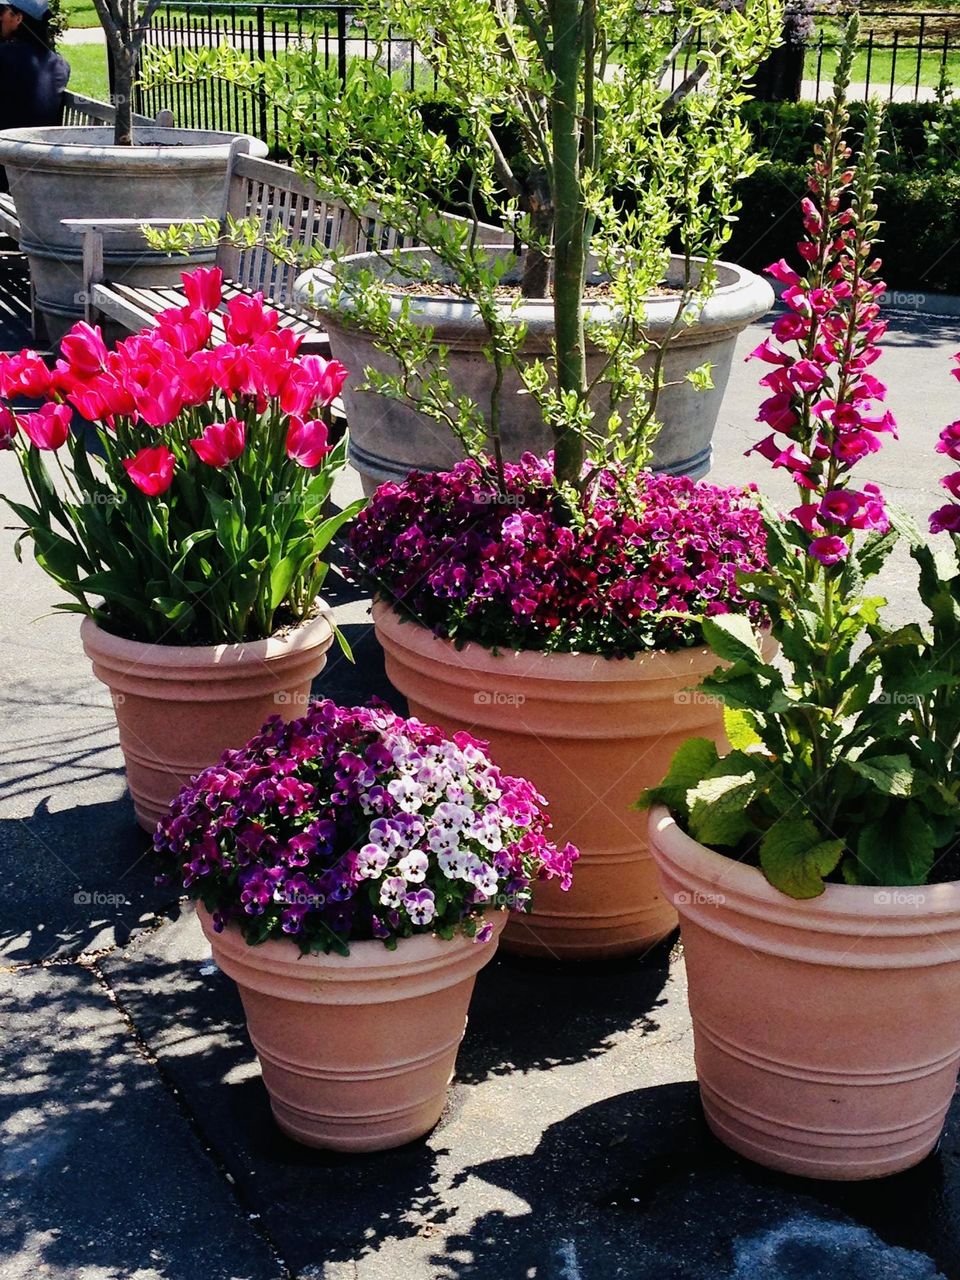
636	1186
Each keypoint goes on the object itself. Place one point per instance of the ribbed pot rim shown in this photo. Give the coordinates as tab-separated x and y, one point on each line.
367	959
740	297
81	145
103	646
840	909
579	667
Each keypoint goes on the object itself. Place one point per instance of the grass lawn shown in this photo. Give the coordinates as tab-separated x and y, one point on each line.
79	13
88	69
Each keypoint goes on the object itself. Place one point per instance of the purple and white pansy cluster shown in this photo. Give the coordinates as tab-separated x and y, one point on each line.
352	823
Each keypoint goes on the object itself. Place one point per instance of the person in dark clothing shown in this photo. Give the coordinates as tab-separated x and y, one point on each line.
32	75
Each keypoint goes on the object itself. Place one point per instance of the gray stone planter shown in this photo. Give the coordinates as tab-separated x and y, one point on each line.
388	439
77	172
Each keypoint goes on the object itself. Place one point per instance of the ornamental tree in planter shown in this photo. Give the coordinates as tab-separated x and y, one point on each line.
194	545
797	861
558	119
353	870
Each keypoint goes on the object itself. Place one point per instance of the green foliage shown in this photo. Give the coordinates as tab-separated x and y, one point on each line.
602	169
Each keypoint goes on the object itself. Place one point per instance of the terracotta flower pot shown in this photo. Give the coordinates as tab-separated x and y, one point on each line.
179	707
356	1051
827	1031
591	733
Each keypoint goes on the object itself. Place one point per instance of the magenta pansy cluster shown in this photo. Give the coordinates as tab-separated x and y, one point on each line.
520	567
352	823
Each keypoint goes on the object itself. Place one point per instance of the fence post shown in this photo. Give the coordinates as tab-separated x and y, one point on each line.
342	44
262	55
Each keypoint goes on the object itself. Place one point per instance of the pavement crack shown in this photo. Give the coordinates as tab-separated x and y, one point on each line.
247	1209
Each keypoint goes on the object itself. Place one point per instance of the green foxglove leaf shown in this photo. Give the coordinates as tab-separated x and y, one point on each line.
731	637
741	729
691	763
795	858
891	775
718	807
897	849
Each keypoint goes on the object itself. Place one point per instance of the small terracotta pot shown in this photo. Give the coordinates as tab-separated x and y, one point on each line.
356	1051
179	707
827	1031
591	733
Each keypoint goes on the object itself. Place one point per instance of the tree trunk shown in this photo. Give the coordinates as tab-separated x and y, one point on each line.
779	77
123	100
570	214
537	266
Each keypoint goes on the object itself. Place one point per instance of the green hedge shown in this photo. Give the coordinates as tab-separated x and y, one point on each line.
920	234
787	131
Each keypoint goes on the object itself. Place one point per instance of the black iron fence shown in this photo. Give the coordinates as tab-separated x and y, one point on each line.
904	55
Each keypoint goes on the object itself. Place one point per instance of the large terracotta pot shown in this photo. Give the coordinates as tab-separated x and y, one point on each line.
591	733
356	1051
179	707
827	1031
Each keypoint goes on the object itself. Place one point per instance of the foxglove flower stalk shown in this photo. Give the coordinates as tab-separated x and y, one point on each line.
946	519
324	830
825	409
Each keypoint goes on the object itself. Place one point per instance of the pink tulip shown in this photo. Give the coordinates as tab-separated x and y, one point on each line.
247	319
203	287
49	426
307	441
951	483
151	470
8	427
84	349
25	374
220	443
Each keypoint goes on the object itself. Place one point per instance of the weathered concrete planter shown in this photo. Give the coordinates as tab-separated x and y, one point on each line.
77	172
388	439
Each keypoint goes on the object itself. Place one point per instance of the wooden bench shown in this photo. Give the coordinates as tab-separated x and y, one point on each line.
283	202
77	110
